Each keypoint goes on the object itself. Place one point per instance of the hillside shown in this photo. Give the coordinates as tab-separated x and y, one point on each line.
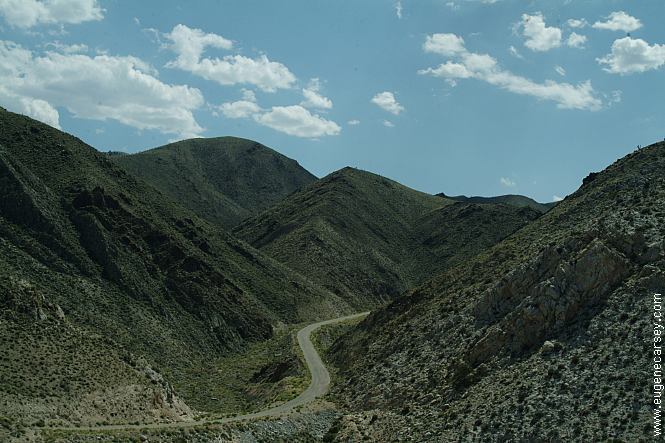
110	293
367	238
544	337
519	201
223	180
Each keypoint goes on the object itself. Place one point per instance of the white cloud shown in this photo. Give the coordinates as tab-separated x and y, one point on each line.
103	87
630	55
312	97
619	21
398	9
539	37
239	109
556	198
576	40
29	13
505	181
298	121
485	68
559	70
444	44
388	124
189	45
386	101
514	52
353	122
293	120
448	70
577	23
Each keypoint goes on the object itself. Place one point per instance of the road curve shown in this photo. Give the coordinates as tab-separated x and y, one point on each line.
317	388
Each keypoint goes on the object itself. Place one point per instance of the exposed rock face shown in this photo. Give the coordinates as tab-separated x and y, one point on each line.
546	336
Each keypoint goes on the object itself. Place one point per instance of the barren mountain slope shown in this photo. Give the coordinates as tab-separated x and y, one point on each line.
547	335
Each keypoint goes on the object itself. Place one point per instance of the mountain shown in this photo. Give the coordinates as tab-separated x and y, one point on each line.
520	201
223	180
367	238
110	291
546	336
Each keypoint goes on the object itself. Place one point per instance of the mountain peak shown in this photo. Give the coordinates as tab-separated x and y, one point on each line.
222	179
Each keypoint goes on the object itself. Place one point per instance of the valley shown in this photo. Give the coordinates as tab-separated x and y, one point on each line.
145	296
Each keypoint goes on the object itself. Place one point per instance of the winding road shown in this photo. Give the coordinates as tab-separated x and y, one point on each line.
317	388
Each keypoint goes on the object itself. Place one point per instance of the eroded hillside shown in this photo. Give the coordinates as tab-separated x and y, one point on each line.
545	336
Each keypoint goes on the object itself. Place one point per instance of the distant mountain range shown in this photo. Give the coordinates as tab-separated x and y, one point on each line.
511	199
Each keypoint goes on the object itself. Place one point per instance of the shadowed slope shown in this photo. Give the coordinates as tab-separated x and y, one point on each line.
93	259
367	238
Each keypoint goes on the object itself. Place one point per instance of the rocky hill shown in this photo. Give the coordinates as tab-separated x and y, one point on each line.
110	291
520	201
546	336
367	238
223	180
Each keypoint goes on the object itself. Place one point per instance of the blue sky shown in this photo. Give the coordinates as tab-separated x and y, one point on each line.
457	96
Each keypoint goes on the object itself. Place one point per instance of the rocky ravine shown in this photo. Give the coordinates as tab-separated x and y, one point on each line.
547	336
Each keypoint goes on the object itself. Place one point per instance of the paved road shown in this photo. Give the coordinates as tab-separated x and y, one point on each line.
317	388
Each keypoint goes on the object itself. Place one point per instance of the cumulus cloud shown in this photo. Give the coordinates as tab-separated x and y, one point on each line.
576	40
297	121
630	55
559	70
539	37
505	181
239	109
353	122
189	45
388	124
386	101
313	99
444	44
485	68
293	120
398	9
29	13
103	87
619	21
